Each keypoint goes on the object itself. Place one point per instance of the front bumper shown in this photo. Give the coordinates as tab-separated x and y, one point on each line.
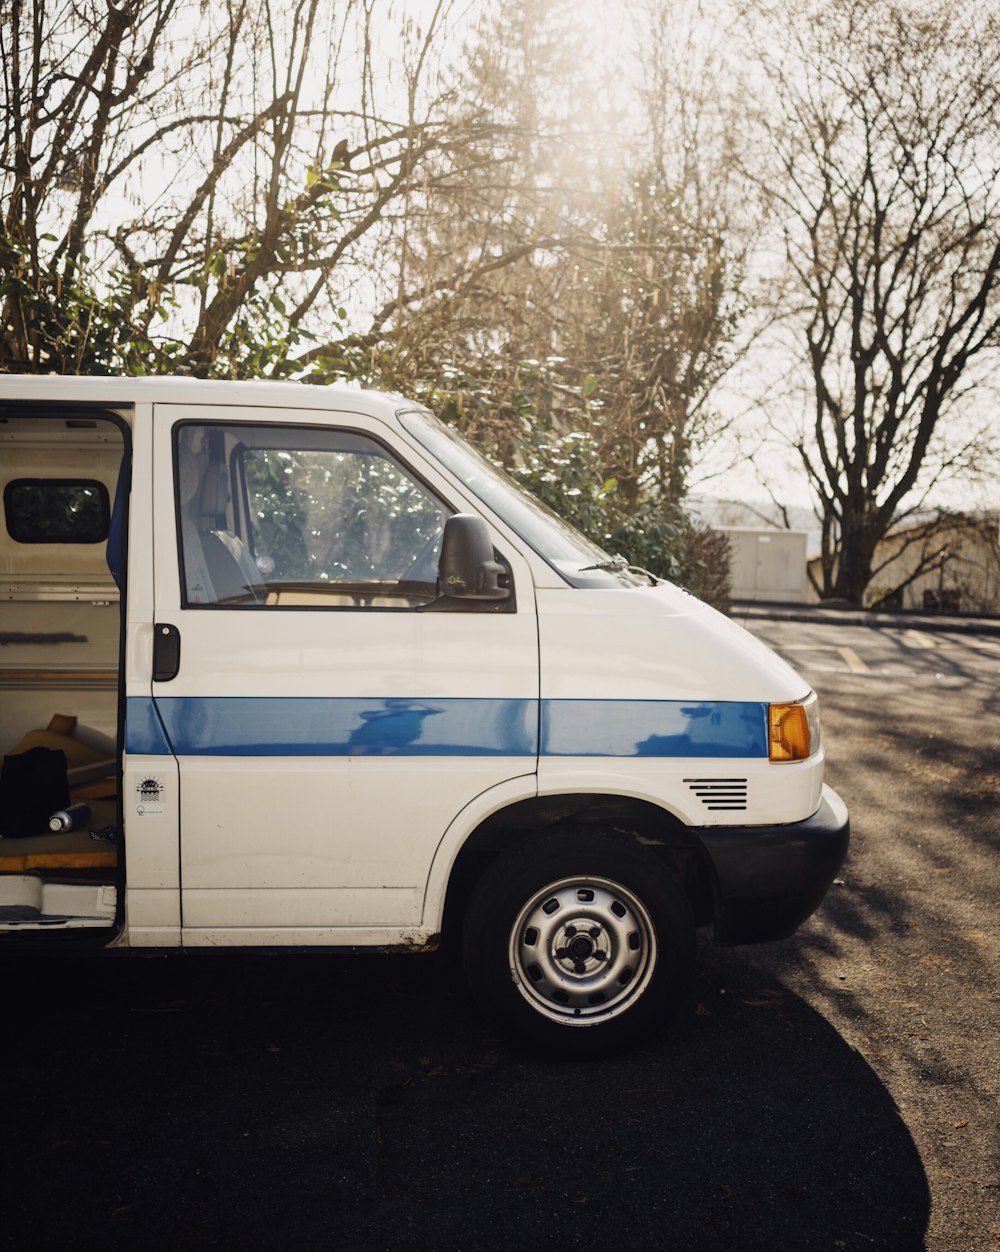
769	879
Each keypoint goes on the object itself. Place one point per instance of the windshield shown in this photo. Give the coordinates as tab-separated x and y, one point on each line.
570	553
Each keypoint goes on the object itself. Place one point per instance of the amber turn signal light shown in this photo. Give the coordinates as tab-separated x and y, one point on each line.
788	736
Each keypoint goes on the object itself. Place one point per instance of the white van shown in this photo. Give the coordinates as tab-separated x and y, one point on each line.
324	677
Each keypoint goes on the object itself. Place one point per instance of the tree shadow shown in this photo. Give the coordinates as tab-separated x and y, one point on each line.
359	1103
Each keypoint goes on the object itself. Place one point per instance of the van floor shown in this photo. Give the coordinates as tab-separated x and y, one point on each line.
73	850
58	881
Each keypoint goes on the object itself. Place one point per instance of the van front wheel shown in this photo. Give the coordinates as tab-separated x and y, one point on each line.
579	943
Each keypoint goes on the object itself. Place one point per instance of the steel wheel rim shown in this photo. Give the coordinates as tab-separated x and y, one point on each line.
582	950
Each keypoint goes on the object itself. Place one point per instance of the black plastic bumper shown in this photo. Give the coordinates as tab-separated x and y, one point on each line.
769	879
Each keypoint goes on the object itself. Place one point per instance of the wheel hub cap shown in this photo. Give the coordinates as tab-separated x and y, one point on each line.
582	950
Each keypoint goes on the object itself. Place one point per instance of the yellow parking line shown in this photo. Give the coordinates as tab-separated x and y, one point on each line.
952	645
847	655
917	639
991	645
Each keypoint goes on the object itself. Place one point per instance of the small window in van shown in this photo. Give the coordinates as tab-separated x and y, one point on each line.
56	510
294	518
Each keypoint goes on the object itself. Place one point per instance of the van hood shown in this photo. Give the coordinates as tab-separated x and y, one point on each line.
653	643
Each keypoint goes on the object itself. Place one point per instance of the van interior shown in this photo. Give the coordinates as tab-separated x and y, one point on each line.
63	477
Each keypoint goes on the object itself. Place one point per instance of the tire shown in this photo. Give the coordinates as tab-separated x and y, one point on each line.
580	942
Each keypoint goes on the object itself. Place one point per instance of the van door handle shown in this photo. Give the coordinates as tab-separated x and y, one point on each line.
166	652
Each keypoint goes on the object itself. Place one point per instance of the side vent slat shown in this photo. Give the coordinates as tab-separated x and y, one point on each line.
728	794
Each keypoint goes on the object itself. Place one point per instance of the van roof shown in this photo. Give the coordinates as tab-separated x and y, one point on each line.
163	389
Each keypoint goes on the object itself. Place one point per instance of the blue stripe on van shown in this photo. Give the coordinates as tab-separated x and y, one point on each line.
144	735
258	726
657	728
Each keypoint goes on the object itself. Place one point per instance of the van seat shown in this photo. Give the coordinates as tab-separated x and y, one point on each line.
218	565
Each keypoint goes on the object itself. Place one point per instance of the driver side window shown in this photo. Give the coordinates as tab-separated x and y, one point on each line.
286	517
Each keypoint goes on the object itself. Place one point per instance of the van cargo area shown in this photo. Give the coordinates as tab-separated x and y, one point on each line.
59	672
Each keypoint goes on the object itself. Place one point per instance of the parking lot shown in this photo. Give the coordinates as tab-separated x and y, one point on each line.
836	1090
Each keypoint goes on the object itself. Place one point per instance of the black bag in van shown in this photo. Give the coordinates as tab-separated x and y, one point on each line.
33	785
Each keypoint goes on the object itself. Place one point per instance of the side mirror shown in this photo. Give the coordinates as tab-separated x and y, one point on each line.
467	569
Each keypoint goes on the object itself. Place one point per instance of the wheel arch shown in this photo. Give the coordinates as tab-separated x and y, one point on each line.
530	818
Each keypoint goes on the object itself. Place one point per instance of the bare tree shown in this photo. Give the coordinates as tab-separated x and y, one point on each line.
190	186
882	125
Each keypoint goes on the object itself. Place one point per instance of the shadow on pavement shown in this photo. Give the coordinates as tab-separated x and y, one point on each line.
356	1103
